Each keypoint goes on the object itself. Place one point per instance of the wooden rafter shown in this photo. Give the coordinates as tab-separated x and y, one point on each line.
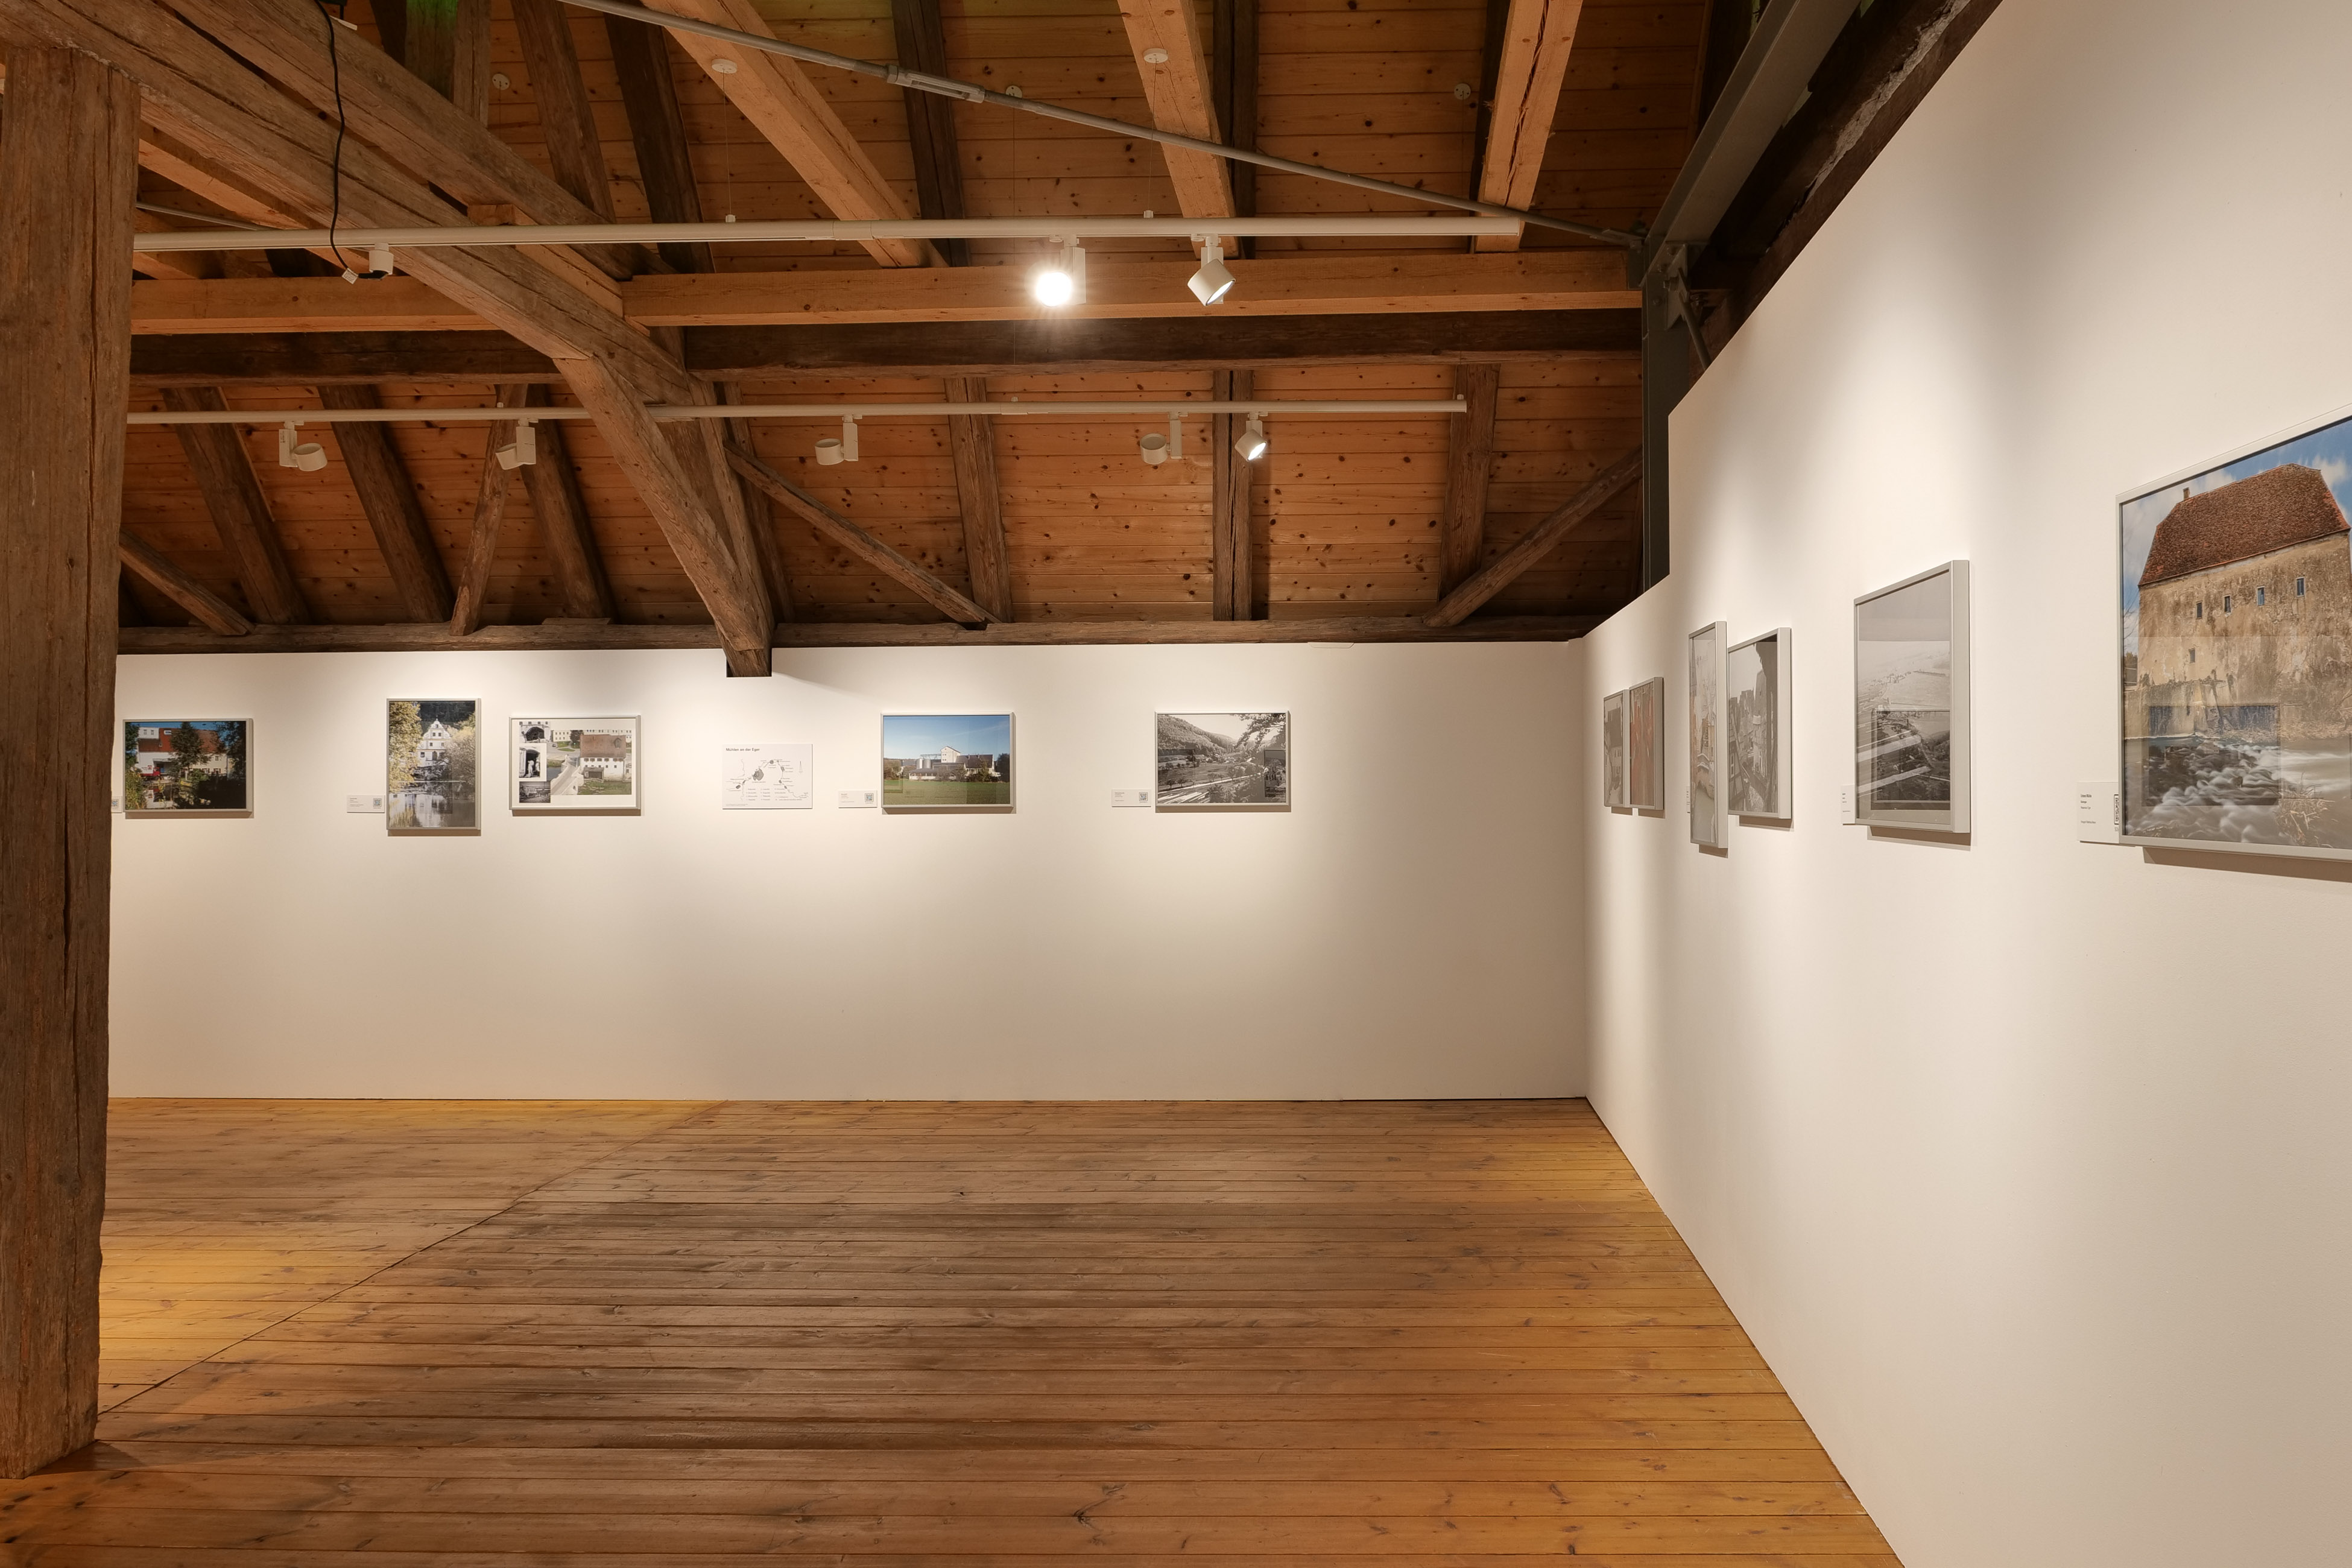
491	491
562	513
566	118
1469	462
1536	543
240	512
1234	70
1536	37
840	531
972	442
930	119
776	96
1178	88
388	496
657	133
447	43
165	576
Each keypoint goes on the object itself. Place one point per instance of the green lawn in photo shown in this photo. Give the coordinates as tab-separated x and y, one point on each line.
605	786
946	792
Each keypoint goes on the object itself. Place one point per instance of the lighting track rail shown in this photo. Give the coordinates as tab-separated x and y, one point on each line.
500	416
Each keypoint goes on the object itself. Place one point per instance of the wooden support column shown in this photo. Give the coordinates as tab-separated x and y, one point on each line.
388	496
232	493
1233	595
930	121
973	441
1234	76
565	116
489	519
553	484
1469	462
69	175
448	46
657	131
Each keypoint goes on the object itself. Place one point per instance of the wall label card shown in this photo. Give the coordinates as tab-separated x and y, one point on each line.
363	805
858	800
1130	797
2099	812
767	775
573	764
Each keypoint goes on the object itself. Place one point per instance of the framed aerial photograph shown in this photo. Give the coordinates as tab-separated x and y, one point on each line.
1219	760
573	764
1709	822
2236	650
433	765
187	767
1755	726
767	775
947	762
1911	702
1645	744
1612	752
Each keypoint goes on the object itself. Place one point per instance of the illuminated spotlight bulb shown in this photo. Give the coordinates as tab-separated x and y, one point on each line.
1251	442
1062	281
522	451
378	261
308	456
1154	449
1213	282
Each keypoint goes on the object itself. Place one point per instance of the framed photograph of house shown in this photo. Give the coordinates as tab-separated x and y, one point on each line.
1645	744
573	764
2236	650
1612	752
1710	824
433	765
1911	702
1222	761
187	767
1755	726
947	762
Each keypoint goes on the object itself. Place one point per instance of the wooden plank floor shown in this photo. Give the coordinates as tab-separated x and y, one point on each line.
606	1334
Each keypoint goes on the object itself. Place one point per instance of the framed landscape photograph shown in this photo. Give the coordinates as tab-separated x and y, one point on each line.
1213	760
947	762
433	765
1612	752
187	767
1755	726
1911	702
573	764
2236	650
1710	823
1645	744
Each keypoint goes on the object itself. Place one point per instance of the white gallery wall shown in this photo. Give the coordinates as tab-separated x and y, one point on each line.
2023	1159
1409	928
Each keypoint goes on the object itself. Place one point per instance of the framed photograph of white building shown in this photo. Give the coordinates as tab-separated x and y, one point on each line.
1911	702
433	765
1209	761
947	762
187	767
1755	726
573	764
2236	650
1710	824
1612	752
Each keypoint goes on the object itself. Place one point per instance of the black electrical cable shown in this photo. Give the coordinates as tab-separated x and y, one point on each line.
335	71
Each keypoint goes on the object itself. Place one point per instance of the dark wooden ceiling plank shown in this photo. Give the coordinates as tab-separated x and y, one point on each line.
553	483
657	131
566	116
240	512
165	576
930	121
840	531
1536	543
388	496
972	441
1233	594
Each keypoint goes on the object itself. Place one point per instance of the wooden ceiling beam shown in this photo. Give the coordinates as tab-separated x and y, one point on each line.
1231	558
1536	543
566	118
1233	76
388	496
930	350
838	530
1469	463
972	441
491	488
1177	89
930	119
776	96
446	45
562	514
657	131
240	512
213	612
1537	36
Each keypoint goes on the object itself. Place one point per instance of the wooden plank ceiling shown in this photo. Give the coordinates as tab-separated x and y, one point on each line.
1347	517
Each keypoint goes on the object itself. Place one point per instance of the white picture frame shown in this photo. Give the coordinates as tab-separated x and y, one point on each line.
432	765
1616	759
767	775
1911	756
948	763
1233	761
575	765
1710	822
1756	705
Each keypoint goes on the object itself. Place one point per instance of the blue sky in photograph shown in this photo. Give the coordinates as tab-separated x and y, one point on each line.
917	735
2327	448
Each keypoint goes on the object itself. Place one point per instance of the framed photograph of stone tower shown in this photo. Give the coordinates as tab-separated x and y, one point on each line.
1911	702
2236	650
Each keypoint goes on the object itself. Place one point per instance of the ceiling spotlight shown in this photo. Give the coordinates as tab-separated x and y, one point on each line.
378	261
523	450
1251	442
844	449
1213	282
1154	449
1063	280
309	456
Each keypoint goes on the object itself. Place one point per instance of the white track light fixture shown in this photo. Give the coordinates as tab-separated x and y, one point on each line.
1063	280
1213	282
1251	443
378	261
308	456
1156	448
523	450
842	449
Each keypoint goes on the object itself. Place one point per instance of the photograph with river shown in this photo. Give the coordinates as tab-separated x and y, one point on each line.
1223	759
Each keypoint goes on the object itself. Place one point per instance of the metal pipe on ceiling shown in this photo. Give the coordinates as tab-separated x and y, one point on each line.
533	415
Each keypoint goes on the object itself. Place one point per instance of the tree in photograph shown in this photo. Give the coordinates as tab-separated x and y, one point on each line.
405	734
458	760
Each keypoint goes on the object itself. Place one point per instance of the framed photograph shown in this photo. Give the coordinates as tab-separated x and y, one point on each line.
187	767
947	762
2237	650
1755	726
767	775
1612	752
1911	702
1645	744
573	764
1222	760
1710	824
433	765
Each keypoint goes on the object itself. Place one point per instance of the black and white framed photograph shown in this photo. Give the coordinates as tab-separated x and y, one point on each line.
1612	752
187	767
1710	823
1755	726
2236	650
947	762
433	765
573	764
1211	760
1911	702
1645	744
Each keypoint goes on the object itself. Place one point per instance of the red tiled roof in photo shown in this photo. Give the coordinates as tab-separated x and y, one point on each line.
2289	504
